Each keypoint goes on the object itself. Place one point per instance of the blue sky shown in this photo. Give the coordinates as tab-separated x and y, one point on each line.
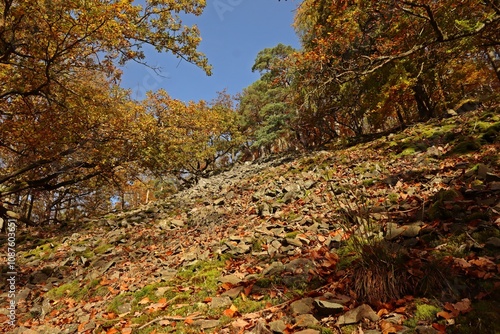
233	32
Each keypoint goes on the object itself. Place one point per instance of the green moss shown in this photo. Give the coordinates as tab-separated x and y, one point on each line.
102	248
368	182
492	134
292	235
72	289
42	252
249	305
466	146
119	300
393	198
257	245
147	291
424	313
408	151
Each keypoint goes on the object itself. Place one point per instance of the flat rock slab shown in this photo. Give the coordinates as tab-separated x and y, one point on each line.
206	324
232	279
308	331
219	302
359	313
305	320
233	293
328	307
302	306
277	326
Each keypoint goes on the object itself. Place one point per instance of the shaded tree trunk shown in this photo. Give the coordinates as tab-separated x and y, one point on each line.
424	105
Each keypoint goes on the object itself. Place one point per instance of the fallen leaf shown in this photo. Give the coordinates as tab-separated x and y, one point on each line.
188	321
229	312
445	315
389	328
463	306
164	323
144	300
240	323
126	330
401	310
82	326
382	312
439	327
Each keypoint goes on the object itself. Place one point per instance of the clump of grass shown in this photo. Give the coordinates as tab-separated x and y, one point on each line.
383	270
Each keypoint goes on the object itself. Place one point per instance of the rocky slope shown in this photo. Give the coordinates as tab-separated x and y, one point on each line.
397	235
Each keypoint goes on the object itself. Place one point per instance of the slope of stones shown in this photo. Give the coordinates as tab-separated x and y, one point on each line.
278	226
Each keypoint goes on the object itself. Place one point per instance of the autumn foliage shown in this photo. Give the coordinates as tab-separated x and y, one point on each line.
373	66
66	128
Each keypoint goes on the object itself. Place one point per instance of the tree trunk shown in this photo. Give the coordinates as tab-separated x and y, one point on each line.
400	116
424	105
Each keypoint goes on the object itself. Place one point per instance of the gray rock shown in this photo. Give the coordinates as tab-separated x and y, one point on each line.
219	302
206	324
302	306
394	231
493	242
79	249
22	295
261	328
219	201
288	197
425	330
167	274
301	264
124	308
274	268
177	222
232	279
328	307
294	242
433	151
359	313
277	326
163	224
233	293
412	230
308	331
305	320
161	291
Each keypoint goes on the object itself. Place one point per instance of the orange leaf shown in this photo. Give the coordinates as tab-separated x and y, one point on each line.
382	312
445	315
227	286
188	321
112	331
82	326
400	309
229	313
439	327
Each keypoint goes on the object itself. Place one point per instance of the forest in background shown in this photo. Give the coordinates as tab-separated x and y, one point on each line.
73	143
